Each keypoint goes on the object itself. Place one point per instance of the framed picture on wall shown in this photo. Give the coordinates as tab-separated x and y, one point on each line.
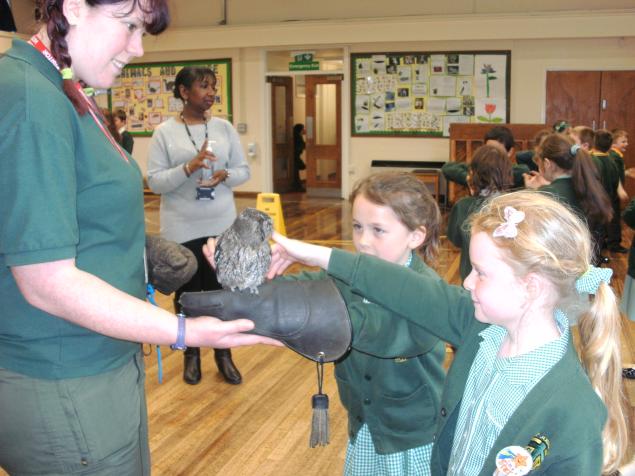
422	93
145	92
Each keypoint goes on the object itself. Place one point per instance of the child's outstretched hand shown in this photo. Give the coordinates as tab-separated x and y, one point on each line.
285	252
208	251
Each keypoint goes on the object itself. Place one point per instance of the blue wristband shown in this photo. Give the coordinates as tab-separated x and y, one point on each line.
180	334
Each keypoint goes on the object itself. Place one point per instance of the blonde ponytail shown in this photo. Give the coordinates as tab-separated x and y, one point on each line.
600	352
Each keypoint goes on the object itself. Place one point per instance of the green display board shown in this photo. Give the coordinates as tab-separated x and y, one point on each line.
421	94
145	92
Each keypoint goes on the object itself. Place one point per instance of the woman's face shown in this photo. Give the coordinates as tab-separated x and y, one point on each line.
201	94
102	39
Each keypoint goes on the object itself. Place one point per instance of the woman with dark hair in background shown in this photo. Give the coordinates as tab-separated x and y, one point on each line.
72	287
194	162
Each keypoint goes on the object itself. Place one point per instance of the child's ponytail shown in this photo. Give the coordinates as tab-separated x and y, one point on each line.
599	348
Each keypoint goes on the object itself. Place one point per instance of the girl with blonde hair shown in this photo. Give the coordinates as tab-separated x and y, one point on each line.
517	393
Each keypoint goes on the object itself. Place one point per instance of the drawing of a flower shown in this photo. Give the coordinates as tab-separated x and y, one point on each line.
488	71
489	108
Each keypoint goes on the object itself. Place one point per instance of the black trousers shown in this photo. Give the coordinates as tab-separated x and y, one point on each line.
205	277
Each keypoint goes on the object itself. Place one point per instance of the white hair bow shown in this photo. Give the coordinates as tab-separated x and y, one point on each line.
508	229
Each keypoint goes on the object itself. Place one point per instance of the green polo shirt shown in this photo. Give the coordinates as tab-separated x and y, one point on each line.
65	193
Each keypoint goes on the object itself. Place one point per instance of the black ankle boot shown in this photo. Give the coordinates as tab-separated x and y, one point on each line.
192	365
226	367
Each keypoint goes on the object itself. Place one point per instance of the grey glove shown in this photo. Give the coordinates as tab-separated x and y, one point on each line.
170	265
309	317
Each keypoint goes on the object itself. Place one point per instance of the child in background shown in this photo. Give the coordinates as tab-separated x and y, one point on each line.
516	374
568	173
526	157
618	149
110	124
490	173
499	136
583	136
119	119
610	178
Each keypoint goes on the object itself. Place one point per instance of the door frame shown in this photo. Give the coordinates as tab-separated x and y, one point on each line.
267	158
283	184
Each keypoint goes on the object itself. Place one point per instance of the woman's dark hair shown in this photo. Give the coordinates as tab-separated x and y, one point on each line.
189	75
587	187
50	12
297	129
491	171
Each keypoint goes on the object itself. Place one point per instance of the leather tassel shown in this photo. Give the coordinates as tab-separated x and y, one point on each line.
320	420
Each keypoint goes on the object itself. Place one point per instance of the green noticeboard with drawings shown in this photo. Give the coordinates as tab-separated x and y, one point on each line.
421	94
145	92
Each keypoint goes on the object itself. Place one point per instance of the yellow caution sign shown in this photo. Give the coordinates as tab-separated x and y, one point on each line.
269	203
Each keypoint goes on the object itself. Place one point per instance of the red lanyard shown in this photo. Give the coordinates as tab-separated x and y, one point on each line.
92	107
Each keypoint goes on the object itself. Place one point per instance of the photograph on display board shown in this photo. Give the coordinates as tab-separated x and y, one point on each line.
421	94
145	92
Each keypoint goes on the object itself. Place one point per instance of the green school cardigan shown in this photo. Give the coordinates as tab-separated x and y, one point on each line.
563	405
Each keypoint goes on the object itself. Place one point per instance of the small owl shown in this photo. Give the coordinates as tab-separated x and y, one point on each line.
242	252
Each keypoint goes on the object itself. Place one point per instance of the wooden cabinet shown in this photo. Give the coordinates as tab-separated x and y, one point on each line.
598	99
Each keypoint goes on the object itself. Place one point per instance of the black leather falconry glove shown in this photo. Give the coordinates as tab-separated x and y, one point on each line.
309	317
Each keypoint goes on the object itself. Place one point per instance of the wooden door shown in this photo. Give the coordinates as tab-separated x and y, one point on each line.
323	134
573	96
281	131
617	111
598	99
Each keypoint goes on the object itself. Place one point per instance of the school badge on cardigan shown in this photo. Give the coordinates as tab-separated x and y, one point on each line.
518	461
513	461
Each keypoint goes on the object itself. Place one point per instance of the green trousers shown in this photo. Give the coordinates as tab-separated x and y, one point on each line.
93	425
